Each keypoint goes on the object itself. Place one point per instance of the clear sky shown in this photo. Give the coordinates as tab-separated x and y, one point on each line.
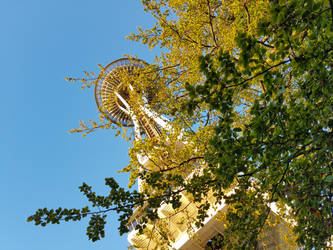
42	42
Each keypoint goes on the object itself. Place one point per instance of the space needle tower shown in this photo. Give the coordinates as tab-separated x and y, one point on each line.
114	90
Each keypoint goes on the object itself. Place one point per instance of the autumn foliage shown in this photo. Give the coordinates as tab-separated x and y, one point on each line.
247	86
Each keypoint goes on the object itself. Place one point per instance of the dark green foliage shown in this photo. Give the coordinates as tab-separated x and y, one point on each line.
287	146
215	243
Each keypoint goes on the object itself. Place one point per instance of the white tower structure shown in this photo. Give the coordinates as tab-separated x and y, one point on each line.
113	99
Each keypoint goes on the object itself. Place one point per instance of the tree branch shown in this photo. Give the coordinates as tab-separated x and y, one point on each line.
258	74
265	44
211	24
185	37
182	163
331	7
248	15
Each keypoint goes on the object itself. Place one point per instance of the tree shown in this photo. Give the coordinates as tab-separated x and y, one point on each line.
256	113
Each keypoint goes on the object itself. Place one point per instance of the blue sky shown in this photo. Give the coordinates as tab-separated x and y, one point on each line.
41	43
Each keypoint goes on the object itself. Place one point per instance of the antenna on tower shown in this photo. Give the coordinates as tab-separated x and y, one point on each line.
113	95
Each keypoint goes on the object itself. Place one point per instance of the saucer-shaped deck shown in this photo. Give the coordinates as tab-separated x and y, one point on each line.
109	83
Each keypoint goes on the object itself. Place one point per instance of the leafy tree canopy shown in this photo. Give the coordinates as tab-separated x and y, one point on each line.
247	86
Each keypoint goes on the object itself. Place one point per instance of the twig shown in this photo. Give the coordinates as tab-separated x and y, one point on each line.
260	73
331	7
248	15
208	118
265	44
296	154
182	163
211	23
185	37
